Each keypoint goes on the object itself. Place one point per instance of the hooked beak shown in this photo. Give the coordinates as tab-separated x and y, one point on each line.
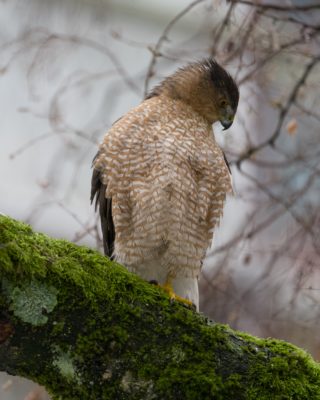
227	118
226	123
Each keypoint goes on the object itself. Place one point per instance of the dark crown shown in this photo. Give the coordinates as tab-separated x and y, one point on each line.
222	80
210	70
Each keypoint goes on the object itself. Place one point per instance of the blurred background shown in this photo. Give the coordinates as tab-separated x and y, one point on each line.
68	69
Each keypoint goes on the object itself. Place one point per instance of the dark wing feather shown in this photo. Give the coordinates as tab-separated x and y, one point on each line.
98	190
227	163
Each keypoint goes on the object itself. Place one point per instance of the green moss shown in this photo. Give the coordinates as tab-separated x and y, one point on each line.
88	329
284	373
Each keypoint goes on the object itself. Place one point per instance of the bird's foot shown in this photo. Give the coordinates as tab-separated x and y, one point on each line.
167	287
174	297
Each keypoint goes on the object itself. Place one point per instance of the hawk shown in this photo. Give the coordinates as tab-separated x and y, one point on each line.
160	179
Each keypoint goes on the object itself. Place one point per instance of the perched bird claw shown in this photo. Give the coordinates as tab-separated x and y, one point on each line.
174	297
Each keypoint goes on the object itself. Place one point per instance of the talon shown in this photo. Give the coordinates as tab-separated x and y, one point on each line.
167	287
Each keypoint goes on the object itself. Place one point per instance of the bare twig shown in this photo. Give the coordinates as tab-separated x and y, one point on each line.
163	37
283	113
277	7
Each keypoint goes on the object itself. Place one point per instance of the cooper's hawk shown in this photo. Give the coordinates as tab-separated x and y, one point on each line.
160	178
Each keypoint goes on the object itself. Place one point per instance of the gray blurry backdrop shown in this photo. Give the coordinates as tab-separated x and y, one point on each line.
68	69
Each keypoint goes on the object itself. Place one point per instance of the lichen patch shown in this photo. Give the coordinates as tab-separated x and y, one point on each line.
64	363
31	301
107	375
132	385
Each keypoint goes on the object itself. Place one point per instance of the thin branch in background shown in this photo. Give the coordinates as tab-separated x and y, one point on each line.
131	43
307	111
265	59
288	204
283	113
218	31
42	43
156	50
30	143
276	7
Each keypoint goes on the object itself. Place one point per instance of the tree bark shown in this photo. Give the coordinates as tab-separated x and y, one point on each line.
86	328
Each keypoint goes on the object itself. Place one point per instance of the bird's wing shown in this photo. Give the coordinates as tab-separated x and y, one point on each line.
230	173
98	191
227	163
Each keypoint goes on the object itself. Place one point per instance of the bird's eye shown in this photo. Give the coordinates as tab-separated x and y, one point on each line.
223	103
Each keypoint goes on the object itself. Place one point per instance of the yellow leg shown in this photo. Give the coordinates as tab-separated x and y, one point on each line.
167	287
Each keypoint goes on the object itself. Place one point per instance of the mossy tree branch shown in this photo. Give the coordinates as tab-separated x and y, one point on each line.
85	328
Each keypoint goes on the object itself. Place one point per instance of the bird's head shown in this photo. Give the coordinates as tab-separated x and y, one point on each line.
207	87
222	93
226	111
